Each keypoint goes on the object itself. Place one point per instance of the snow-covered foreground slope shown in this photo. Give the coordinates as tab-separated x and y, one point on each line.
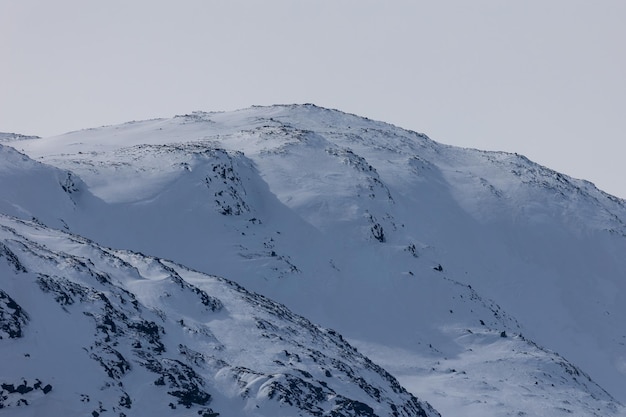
396	241
91	331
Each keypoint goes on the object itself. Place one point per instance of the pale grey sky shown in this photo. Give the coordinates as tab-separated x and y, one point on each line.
542	78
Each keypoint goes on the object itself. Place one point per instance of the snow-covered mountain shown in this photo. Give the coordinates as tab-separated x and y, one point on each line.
485	283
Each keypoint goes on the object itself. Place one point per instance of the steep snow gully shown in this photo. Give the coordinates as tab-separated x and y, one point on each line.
468	282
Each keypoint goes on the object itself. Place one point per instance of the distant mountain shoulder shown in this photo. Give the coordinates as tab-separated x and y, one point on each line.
11	137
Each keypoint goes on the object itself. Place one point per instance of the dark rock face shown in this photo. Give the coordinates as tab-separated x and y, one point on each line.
12	317
17	394
11	258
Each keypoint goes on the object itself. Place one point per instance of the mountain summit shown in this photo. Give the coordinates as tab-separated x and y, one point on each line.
484	283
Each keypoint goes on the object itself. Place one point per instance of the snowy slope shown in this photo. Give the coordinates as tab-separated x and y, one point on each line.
394	240
150	337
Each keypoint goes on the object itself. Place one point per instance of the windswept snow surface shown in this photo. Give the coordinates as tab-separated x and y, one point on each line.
487	284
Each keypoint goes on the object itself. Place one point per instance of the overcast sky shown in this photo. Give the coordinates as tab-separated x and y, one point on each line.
545	78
